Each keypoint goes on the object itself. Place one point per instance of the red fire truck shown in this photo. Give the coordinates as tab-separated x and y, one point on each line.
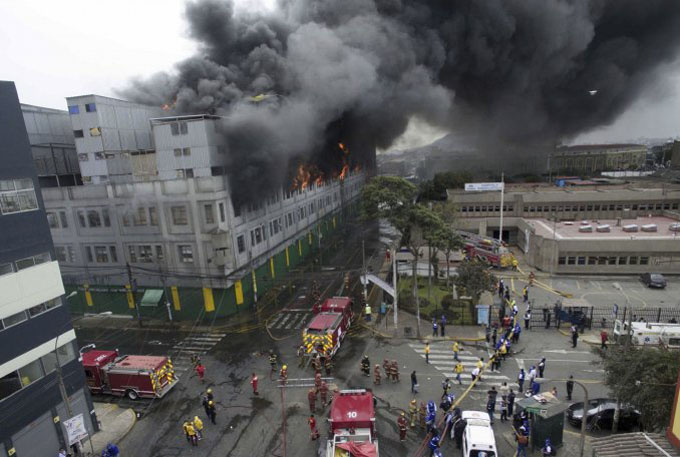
131	375
352	425
489	250
328	327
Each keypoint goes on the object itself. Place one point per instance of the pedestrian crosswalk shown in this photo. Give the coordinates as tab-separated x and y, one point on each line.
441	358
192	346
289	320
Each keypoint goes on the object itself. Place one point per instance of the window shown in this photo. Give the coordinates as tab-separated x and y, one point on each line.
61	253
209	213
139	218
581	260
83	157
17	195
99	156
623	260
37	309
81	218
241	243
93	218
145	253
180	173
632	260
186	253
611	260
237	211
258	236
9	384
186	151
78	134
106	218
571	260
90	107
159	252
73	109
6	268
153	216
132	254
644	260
592	260
101	254
189	173
183	128
95	131
88	252
14	319
561	260
178	152
52	220
179	215
222	213
30	261
30	373
62	219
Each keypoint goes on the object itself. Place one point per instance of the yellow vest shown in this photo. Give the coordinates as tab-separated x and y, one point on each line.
198	423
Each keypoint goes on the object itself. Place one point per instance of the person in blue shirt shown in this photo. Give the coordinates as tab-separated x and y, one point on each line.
434	326
434	442
111	450
442	326
520	379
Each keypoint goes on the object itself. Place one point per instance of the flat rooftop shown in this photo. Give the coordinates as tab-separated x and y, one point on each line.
568	230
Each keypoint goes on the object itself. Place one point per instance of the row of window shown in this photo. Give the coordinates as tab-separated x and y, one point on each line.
554	208
84	157
137	253
17	195
24	315
94	131
89	107
602	260
143	216
179	128
28	374
11	267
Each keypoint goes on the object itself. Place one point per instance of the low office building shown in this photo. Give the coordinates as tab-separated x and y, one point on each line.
590	159
531	211
36	337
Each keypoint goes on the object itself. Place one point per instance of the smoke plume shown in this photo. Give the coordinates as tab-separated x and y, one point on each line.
355	71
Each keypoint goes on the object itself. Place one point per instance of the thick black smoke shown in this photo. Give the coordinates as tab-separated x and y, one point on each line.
517	71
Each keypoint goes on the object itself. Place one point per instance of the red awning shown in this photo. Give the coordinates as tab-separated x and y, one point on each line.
359	449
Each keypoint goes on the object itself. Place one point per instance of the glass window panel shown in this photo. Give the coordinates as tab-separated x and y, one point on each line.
49	362
114	254
23	184
62	219
209	214
105	216
81	218
61	253
30	373
179	215
42	258
52	220
88	252
73	109
9	384
6	268
66	353
9	203
93	218
49	304
101	254
27	200
132	253
14	319
90	107
25	263
37	309
153	216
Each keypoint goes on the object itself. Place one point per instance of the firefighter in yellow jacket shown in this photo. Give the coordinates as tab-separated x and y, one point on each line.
198	426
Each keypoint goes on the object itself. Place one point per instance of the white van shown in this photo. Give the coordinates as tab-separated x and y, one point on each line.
478	438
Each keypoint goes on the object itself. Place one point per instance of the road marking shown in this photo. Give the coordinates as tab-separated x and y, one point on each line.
191	349
597	284
564	351
196	343
578	286
520	363
214	339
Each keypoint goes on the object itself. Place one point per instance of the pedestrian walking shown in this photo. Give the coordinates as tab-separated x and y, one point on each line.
525	294
487	333
491	403
434	326
377	375
212	413
511	402
323	394
504	408
434	442
475	374
532	373
185	428
574	336
446	386
570	387
403	426
522	441
367	312
506	295
520	379
480	363
501	288
314	433
200	371
198	426
604	336
516	333
301	351
283	375
413	412
458	369
427	352
495	361
205	401
547	318
316	363
527	319
442	326
456	349
541	368
311	397
504	389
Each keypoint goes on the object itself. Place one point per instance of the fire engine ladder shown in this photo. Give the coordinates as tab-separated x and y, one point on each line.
302	382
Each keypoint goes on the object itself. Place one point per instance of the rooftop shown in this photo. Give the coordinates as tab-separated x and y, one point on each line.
569	230
633	445
590	147
600	185
189	117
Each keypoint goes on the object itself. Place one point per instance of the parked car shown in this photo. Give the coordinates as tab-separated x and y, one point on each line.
601	414
654	280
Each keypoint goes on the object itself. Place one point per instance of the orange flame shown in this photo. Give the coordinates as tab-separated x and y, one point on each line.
342	146
345	165
169	106
345	170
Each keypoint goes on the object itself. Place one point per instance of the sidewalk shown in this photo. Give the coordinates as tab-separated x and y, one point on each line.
114	424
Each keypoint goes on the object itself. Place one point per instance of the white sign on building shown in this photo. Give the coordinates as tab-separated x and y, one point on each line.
483	186
75	429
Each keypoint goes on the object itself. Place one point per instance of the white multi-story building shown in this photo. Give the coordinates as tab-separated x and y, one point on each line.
110	135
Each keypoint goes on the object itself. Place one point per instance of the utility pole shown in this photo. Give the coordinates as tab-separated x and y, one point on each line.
133	291
363	262
500	230
617	409
394	283
165	291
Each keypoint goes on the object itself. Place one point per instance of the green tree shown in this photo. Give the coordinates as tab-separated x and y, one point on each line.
449	242
475	278
644	378
435	188
393	198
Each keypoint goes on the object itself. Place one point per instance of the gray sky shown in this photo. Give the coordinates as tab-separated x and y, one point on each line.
54	49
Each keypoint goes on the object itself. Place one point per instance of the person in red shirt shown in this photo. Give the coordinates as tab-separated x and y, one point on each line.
253	382
200	371
312	427
604	336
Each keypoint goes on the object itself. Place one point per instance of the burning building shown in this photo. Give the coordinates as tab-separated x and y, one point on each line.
168	210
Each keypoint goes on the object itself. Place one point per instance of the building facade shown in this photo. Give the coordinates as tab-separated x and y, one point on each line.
540	220
52	146
169	215
592	159
35	327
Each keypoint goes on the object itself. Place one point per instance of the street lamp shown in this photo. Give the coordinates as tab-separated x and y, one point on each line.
585	407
